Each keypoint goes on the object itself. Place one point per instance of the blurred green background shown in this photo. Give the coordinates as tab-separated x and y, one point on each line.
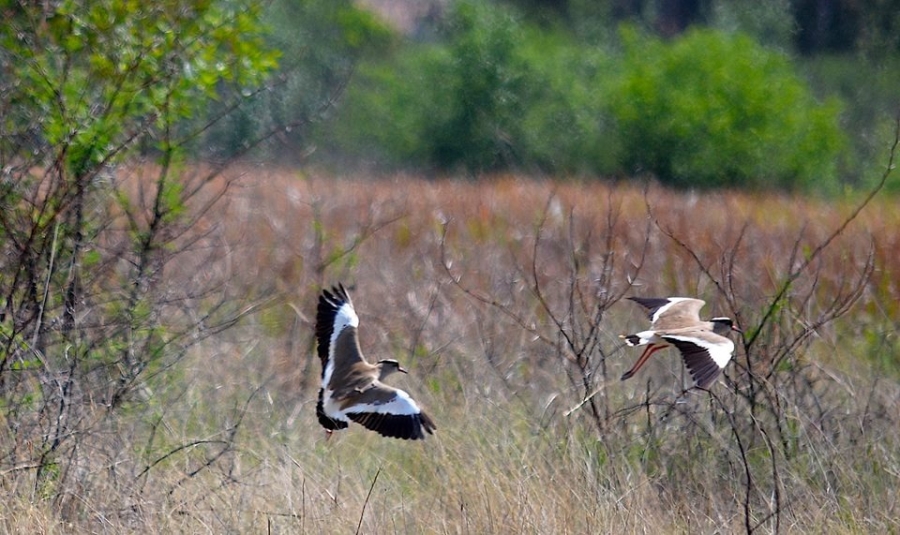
797	95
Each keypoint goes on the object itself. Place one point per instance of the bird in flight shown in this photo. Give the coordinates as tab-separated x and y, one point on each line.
352	388
675	321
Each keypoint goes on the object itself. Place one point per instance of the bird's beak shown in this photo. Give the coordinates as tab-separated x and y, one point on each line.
734	328
401	369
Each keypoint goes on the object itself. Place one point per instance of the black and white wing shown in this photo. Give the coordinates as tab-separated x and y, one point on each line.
705	354
334	314
390	412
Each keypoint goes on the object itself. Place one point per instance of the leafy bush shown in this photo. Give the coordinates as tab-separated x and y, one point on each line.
712	109
91	320
485	81
493	94
320	44
451	105
387	109
565	124
868	86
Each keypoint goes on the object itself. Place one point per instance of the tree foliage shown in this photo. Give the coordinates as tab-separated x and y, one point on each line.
805	26
706	109
320	45
94	77
714	109
88	316
448	106
495	93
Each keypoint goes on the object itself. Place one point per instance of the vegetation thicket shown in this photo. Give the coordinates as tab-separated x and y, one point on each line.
157	368
705	109
89	317
719	110
503	300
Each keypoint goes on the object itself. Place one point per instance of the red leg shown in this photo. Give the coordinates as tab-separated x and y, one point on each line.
651	349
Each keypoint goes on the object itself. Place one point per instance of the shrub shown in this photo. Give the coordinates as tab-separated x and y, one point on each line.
387	109
707	110
565	126
494	94
320	44
91	320
450	105
712	109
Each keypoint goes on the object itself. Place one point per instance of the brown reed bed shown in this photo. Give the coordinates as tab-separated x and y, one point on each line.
502	297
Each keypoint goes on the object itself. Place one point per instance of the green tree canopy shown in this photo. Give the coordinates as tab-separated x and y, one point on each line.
86	313
85	80
705	109
713	109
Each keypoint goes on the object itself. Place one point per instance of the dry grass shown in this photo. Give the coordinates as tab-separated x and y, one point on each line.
491	368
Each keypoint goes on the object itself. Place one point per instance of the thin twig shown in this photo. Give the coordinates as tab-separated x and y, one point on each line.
366	503
744	461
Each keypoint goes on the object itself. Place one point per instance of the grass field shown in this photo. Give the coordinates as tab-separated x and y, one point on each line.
504	299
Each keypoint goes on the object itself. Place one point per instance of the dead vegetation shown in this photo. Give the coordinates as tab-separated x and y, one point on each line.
503	299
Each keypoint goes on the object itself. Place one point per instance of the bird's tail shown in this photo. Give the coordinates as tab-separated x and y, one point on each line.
637	339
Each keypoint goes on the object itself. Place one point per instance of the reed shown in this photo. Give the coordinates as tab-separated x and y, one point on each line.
502	299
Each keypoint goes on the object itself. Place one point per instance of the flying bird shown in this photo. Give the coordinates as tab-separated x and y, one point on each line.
675	321
354	389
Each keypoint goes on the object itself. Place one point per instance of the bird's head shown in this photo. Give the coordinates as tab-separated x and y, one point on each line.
387	367
723	325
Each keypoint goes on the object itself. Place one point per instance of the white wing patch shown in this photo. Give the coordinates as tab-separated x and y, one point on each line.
332	410
401	404
343	318
718	347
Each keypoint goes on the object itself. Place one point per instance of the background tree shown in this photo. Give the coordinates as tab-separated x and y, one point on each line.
320	44
712	109
706	108
89	320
